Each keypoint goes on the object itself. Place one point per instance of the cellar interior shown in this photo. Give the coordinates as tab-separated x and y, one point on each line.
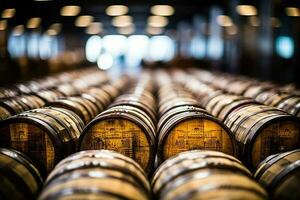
166	100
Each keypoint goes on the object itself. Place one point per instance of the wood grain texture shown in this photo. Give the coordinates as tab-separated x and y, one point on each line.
197	134
120	135
280	174
19	178
202	175
98	174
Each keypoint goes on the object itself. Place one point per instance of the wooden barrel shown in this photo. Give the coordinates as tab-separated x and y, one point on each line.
238	87
290	105
111	90
127	126
254	90
19	178
272	98
203	92
30	101
83	107
102	95
21	103
125	129
184	125
280	174
97	174
223	104
4	113
49	95
141	102
190	127
94	100
7	93
46	135
67	89
262	130
265	96
204	175
13	106
108	92
22	88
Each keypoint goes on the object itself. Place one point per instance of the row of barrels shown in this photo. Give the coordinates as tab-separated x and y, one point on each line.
52	81
259	130
131	127
35	97
51	133
286	98
104	174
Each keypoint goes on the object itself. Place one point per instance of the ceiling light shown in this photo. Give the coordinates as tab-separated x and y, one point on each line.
70	10
3	25
163	10
8	13
154	30
224	20
292	11
254	21
84	20
157	21
18	30
34	22
246	10
126	30
94	28
122	21
116	10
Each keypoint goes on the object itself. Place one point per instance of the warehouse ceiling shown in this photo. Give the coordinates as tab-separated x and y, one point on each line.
49	12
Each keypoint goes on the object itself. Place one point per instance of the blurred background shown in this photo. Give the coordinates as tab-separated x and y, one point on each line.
260	39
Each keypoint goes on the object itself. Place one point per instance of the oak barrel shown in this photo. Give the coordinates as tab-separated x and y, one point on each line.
83	107
263	130
127	126
204	175
280	174
97	174
290	105
46	135
19	177
4	113
49	95
184	125
21	103
221	105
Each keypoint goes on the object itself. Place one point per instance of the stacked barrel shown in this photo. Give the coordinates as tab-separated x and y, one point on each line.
184	125
162	135
19	178
260	130
286	98
48	134
96	174
205	175
35	94
280	174
128	126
